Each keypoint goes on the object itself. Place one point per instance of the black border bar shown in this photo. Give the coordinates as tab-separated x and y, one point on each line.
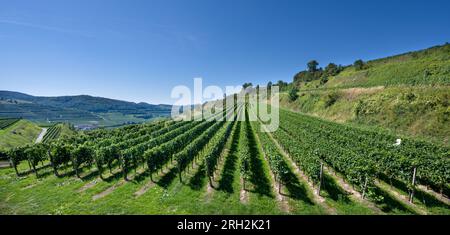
148	224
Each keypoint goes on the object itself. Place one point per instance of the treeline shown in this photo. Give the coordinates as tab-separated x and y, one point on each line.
312	73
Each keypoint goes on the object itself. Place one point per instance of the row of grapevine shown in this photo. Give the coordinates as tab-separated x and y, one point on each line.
129	146
277	163
62	152
133	133
363	155
129	153
6	122
52	133
34	155
161	154
305	156
244	150
160	151
214	149
308	151
187	155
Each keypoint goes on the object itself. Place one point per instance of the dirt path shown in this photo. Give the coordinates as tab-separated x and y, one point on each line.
92	183
150	183
209	192
243	194
29	186
144	188
109	190
87	186
41	135
117	184
169	167
4	164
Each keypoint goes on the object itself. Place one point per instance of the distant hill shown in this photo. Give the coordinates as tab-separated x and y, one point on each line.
82	109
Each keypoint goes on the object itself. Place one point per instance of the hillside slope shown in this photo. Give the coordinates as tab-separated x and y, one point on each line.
425	67
408	94
20	133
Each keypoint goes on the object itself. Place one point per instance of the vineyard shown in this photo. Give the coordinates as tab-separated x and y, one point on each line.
52	133
307	166
6	122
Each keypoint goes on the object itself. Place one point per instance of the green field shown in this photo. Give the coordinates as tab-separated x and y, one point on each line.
170	167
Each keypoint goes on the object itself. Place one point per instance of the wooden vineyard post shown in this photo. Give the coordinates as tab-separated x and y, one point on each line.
210	182
29	165
320	178
363	195
411	195
179	172
151	175
279	185
11	162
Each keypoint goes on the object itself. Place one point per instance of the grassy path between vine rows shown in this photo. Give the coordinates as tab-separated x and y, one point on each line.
220	165
270	177
282	199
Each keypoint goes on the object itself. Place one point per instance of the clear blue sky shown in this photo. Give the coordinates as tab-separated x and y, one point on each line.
139	50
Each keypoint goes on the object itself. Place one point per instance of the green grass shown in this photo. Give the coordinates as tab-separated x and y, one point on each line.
20	133
427	67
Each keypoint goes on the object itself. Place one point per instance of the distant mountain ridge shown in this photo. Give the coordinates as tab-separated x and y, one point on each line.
77	109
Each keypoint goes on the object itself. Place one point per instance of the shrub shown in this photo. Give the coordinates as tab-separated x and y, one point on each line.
331	98
293	94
